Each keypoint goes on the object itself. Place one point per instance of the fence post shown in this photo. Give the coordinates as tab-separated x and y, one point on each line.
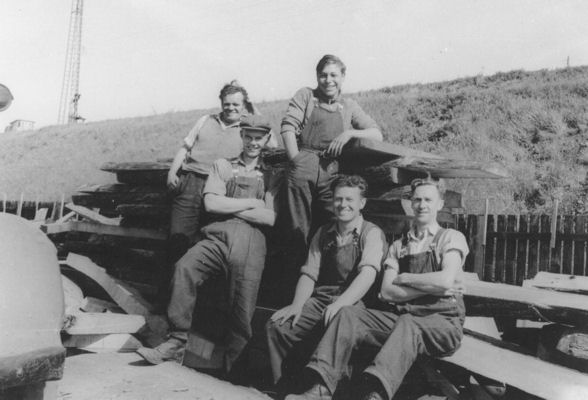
480	245
19	208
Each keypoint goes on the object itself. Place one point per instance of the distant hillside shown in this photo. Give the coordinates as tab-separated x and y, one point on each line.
535	124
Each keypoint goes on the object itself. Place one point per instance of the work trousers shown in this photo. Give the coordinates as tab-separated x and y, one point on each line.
393	340
308	197
235	250
290	346
186	212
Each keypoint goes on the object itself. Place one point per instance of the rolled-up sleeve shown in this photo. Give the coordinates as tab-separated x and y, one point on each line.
220	173
359	118
295	114
373	249
313	261
453	240
272	190
391	261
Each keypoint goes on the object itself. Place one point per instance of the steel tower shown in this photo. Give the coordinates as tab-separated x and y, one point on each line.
68	104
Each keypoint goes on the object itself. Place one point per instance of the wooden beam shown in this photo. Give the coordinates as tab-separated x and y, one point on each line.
522	371
449	168
90	227
104	323
497	299
559	283
135	166
55	228
128	299
93	215
114	342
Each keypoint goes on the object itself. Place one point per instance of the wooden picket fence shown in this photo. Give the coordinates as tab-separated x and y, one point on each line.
515	247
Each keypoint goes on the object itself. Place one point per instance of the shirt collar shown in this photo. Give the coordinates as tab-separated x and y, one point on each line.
259	165
356	227
431	230
324	99
223	125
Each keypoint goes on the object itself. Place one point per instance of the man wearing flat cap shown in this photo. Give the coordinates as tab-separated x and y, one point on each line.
239	196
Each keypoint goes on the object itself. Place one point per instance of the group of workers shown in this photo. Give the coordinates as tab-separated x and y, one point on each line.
354	295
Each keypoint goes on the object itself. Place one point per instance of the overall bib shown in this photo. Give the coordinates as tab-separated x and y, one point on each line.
291	346
429	325
309	175
233	250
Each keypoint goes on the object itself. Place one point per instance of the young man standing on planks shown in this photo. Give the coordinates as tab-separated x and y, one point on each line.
239	194
343	263
423	285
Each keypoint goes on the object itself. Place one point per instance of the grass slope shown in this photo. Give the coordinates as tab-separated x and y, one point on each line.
535	124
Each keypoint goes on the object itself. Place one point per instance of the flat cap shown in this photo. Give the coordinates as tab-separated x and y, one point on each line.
256	123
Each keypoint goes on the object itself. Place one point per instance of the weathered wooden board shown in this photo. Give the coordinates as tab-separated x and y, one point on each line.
93	215
104	323
522	371
502	300
82	226
559	282
376	152
114	342
127	298
147	173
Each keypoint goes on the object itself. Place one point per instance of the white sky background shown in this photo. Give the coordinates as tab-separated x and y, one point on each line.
142	57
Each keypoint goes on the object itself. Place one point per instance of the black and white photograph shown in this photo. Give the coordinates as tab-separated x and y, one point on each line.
293	200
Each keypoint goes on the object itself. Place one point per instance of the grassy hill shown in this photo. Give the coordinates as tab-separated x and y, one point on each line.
535	124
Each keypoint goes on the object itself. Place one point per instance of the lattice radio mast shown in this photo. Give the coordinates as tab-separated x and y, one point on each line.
68	104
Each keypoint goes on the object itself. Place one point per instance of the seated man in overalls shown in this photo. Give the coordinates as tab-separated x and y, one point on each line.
239	194
343	262
423	285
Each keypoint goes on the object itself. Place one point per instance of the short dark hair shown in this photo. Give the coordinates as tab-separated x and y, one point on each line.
438	183
330	59
354	181
234	87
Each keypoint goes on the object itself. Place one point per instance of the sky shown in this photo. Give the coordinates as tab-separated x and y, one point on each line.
146	57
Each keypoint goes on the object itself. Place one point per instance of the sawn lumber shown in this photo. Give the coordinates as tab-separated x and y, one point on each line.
522	371
93	215
114	342
104	323
502	300
128	299
89	227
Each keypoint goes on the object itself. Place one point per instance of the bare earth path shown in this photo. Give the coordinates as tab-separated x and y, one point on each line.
125	376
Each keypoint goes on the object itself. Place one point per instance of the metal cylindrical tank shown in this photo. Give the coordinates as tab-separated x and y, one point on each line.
31	294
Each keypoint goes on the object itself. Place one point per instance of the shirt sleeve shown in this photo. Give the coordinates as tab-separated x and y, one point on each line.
391	261
192	136
220	173
359	118
296	111
313	261
373	249
453	240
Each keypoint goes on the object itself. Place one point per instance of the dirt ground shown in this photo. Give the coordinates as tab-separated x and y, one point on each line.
106	376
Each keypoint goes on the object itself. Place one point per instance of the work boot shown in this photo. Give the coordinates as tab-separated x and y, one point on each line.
171	350
317	392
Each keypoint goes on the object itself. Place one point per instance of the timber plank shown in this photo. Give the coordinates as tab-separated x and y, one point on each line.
559	282
109	201
127	298
580	247
449	168
544	243
500	250
521	256
489	265
502	300
104	323
108	343
144	210
510	251
568	246
136	166
93	215
81	226
556	260
533	259
522	371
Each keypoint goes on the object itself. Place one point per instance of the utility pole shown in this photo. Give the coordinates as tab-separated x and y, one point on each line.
68	103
